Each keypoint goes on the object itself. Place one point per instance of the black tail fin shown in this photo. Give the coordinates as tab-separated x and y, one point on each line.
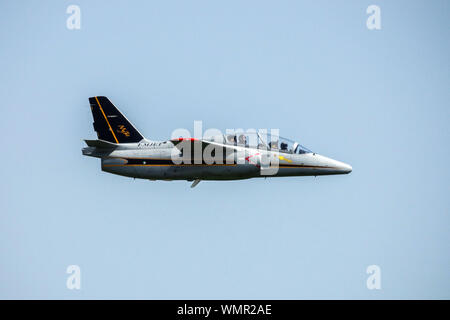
110	124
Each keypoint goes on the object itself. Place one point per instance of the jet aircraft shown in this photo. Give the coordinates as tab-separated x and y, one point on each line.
124	151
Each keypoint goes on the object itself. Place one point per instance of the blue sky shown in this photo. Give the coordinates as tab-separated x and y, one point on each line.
378	100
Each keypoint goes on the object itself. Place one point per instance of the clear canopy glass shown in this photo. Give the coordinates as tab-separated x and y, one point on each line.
262	141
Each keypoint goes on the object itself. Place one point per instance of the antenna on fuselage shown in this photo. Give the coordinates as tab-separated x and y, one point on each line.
196	182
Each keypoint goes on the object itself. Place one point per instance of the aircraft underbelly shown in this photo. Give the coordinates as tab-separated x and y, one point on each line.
184	172
124	167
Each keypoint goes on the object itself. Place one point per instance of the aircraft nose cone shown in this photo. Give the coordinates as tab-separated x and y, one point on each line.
342	167
338	166
333	166
345	168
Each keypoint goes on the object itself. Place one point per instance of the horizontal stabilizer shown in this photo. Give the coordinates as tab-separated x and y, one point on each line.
101	144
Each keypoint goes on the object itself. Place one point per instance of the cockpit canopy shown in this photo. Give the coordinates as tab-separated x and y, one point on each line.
265	142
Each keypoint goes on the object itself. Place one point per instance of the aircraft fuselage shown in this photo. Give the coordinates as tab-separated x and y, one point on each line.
154	161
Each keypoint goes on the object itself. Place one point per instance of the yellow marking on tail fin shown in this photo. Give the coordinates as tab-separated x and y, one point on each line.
117	141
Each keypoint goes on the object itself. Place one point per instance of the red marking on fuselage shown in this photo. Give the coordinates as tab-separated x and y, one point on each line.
248	159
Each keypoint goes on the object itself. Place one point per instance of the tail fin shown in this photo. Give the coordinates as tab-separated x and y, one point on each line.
111	125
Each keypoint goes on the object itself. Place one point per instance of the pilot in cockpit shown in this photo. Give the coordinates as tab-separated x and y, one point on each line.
231	139
242	140
273	145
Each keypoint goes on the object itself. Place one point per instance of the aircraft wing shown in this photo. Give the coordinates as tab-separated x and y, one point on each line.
184	142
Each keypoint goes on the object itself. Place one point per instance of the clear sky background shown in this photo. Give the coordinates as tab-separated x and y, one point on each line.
378	100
